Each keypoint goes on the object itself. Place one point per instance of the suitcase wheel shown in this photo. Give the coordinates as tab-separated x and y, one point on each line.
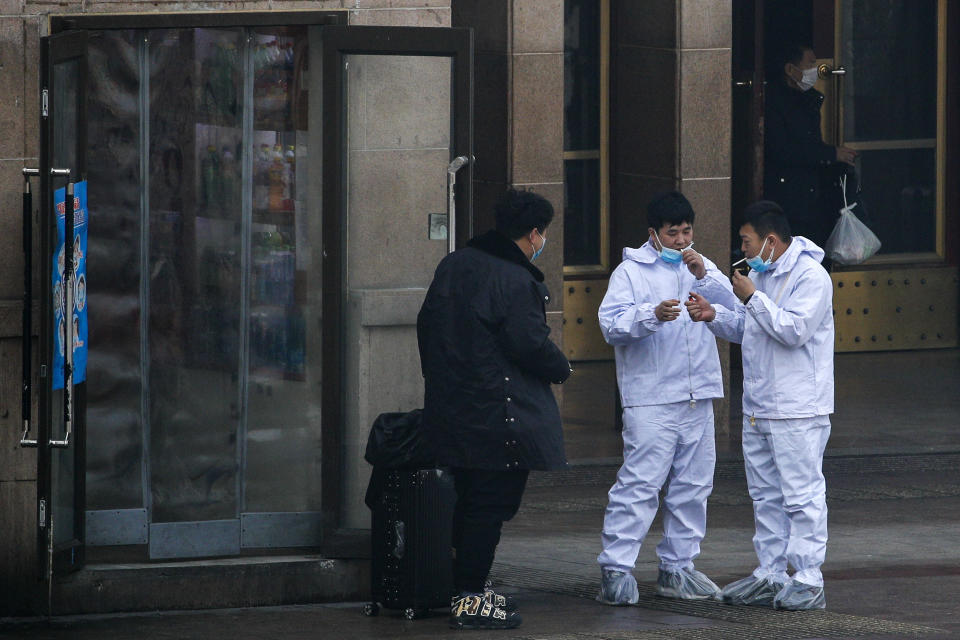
371	609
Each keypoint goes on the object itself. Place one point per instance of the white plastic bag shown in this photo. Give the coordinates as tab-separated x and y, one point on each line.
851	241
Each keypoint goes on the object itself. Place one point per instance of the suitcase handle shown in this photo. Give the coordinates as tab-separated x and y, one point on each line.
399	539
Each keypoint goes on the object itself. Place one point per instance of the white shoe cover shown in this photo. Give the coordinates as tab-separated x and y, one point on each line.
754	591
618	588
686	584
797	596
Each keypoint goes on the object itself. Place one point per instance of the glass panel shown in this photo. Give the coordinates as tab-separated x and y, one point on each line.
900	203
114	434
65	92
66	81
399	137
195	271
283	432
581	212
581	67
890	52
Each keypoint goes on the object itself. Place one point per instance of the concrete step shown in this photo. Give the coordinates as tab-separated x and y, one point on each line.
211	584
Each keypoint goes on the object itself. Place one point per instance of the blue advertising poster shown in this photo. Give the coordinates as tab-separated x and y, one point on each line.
77	315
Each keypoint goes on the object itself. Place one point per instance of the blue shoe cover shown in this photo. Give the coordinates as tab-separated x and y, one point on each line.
618	588
754	591
686	584
797	596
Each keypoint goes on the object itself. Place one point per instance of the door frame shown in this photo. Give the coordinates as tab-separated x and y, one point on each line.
338	42
57	559
748	91
201	20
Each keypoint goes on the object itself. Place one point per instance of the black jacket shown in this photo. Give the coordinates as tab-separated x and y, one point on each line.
800	169
488	361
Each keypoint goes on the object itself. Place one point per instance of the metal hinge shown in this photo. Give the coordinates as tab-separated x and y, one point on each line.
46	103
43	514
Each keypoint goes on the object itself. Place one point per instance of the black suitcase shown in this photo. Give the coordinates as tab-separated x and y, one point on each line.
411	563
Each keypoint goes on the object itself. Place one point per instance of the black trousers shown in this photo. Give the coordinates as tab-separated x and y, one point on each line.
485	500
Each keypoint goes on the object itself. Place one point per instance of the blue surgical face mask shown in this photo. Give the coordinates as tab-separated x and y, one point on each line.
670	256
757	263
537	252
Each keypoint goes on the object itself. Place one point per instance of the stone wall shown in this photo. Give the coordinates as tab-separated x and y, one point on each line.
518	121
671	116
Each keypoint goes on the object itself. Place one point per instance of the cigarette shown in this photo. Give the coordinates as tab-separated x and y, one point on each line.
738	262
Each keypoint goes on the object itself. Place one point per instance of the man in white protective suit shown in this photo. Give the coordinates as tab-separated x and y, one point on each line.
668	371
784	321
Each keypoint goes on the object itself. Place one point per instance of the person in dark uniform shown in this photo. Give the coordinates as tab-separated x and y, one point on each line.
801	171
488	363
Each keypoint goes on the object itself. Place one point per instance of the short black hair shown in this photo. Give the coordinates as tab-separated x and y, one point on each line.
519	212
791	52
671	208
766	217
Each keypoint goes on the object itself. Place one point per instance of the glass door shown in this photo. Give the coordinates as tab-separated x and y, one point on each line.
890	85
205	400
891	111
61	436
213	403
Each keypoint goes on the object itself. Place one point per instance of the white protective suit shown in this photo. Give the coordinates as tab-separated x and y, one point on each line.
668	373
786	329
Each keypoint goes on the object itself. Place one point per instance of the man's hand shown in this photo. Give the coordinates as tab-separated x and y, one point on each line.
846	154
743	286
667	310
694	262
699	308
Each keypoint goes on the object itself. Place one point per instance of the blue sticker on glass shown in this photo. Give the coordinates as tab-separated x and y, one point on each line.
78	314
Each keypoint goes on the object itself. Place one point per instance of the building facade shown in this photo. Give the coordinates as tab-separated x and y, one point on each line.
270	185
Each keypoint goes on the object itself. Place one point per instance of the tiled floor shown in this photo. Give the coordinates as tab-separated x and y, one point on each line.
894	402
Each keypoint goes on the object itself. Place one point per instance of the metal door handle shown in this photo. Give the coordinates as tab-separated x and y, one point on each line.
26	395
744	83
455	165
825	70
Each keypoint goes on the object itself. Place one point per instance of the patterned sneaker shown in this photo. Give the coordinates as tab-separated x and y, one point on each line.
475	612
507	603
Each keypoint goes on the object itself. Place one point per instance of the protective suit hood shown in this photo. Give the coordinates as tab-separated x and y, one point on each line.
798	247
645	254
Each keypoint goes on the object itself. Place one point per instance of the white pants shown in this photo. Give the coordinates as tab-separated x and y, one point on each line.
661	443
784	464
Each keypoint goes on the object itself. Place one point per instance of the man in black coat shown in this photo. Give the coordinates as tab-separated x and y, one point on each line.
488	363
801	171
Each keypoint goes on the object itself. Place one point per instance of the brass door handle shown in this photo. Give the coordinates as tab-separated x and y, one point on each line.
825	70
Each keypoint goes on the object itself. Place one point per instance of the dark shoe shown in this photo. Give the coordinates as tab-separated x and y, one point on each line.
476	612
